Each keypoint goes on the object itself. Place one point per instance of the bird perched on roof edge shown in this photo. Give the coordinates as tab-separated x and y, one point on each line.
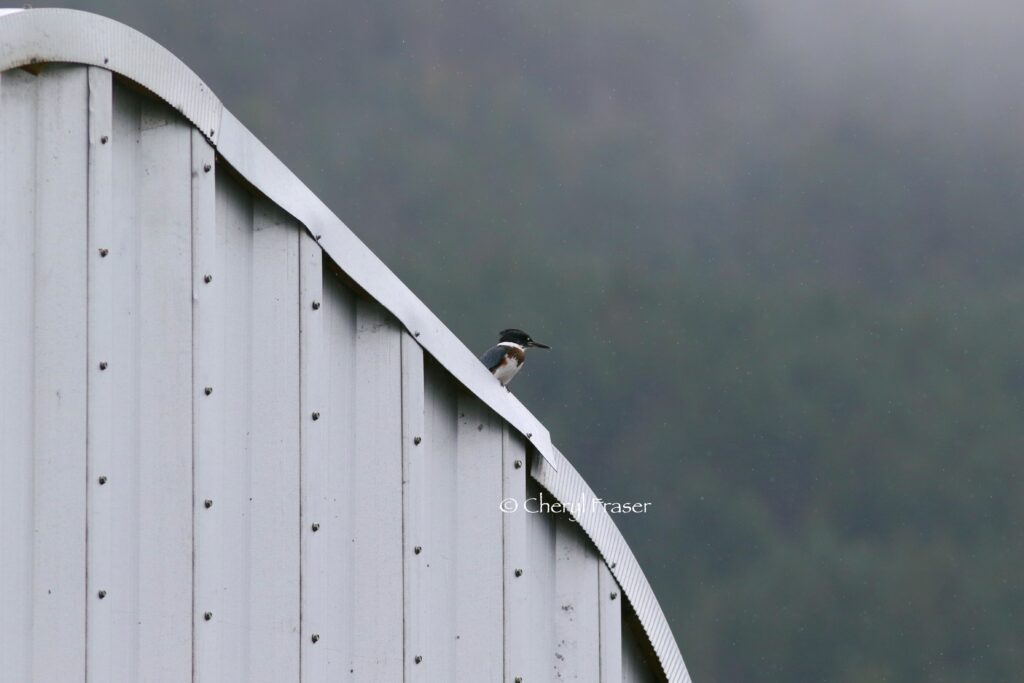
505	358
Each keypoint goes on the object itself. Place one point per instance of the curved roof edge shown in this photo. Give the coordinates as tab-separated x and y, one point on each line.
38	36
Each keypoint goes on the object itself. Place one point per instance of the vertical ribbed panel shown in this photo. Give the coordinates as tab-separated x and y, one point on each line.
273	510
44	277
539	577
478	560
154	371
104	532
609	600
517	595
329	572
577	619
374	494
207	405
323	543
60	376
17	294
416	516
431	490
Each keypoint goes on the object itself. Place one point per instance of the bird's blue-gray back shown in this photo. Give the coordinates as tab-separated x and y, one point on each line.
492	357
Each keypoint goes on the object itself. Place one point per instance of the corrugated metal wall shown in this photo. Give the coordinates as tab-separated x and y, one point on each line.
221	462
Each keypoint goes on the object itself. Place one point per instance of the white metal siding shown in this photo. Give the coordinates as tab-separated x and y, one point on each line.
224	461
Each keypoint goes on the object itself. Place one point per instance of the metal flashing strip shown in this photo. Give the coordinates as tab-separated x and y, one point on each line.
572	491
38	36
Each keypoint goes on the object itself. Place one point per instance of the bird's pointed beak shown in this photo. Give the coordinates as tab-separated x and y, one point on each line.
539	345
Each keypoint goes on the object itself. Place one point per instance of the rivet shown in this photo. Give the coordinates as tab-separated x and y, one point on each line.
207	168
208	390
530	435
103	479
207	279
611	566
316	305
104	139
103	365
315	637
518	464
207	616
519	679
211	131
317	237
207	503
102	594
103	252
316	526
417	440
106	60
519	572
419	658
614	595
316	415
416	333
418	549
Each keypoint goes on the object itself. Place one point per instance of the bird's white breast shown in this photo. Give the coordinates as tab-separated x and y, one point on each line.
509	366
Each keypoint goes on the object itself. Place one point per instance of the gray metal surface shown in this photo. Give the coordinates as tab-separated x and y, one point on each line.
222	462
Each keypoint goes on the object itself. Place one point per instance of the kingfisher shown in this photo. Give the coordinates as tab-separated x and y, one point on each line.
505	358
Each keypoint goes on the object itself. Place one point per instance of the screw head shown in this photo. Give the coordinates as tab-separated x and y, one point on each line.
518	464
208	390
519	679
103	479
207	168
316	305
104	139
207	503
418	549
519	572
207	278
614	595
103	252
316	416
417	440
207	616
419	658
316	526
530	435
103	365
611	566
315	637
101	594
